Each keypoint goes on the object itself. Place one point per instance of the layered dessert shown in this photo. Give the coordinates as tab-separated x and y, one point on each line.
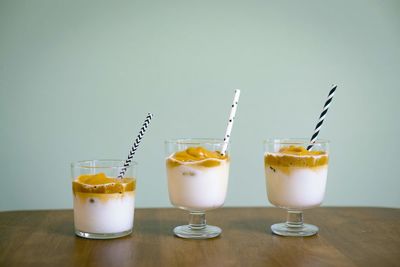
296	177
197	178
103	205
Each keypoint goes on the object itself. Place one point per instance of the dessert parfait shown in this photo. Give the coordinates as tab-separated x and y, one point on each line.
197	179
296	180
197	174
296	177
103	205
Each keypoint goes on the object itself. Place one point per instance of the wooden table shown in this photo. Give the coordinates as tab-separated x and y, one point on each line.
348	237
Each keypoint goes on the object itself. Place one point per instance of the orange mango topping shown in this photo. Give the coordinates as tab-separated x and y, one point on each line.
101	184
296	156
198	156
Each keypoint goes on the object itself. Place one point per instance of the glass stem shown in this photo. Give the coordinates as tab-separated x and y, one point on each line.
294	219
197	220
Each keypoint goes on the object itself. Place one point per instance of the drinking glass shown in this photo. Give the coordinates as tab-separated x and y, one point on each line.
103	204
295	181
197	186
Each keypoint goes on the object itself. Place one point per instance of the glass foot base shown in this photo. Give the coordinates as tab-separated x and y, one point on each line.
102	236
305	230
209	231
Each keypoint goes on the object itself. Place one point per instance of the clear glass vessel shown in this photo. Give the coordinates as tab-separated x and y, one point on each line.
296	180
103	204
197	182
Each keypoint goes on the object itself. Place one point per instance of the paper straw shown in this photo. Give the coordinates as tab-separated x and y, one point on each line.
322	116
135	145
230	122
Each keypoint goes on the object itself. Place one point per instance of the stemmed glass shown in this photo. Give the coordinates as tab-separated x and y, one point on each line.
197	185
296	180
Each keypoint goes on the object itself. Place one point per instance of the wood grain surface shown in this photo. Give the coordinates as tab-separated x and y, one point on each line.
348	237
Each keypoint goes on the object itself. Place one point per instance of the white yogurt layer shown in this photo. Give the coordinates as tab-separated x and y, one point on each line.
301	188
104	213
197	188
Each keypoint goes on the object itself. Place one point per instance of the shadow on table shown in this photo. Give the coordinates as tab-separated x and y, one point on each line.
256	225
156	227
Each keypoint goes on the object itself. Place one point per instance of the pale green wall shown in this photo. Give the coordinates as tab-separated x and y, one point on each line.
78	77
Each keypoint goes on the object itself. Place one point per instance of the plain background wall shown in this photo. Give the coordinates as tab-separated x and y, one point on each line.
78	77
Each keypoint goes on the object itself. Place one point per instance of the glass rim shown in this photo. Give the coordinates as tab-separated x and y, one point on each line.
120	164
295	141
192	141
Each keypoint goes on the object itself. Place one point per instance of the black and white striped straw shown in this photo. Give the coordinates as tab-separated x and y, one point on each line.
230	122
322	116
135	145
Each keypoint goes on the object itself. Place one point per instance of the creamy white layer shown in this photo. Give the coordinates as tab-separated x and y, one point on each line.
301	188
197	188
104	213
